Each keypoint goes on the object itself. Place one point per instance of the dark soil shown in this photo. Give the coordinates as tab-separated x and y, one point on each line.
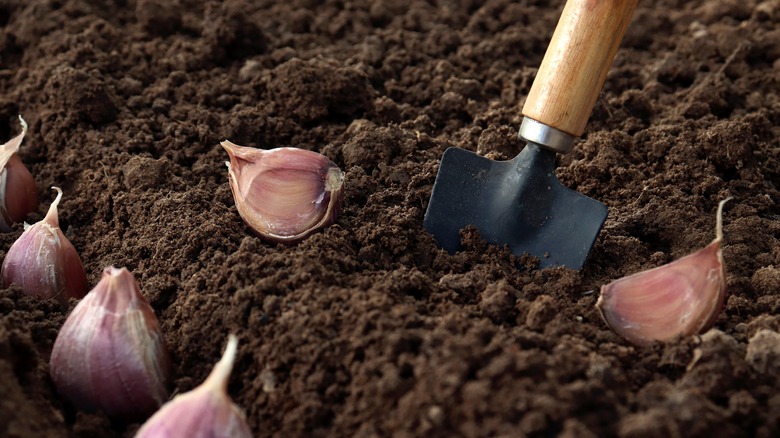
368	329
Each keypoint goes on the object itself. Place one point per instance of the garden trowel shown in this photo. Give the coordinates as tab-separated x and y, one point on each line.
520	202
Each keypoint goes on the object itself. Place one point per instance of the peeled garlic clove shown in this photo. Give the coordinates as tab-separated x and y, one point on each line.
18	194
206	411
110	355
44	263
681	298
284	194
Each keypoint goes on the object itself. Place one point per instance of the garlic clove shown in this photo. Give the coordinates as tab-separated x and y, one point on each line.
284	194
18	194
206	411
681	298
110	355
43	262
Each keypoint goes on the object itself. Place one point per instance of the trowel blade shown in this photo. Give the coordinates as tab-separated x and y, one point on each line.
519	203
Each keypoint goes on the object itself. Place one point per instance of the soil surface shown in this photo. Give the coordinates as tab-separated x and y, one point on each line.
367	328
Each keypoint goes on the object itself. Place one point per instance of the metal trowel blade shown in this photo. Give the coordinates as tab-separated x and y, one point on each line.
519	203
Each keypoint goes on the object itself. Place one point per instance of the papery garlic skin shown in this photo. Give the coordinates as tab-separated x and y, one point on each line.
682	298
18	194
205	412
44	263
284	194
110	354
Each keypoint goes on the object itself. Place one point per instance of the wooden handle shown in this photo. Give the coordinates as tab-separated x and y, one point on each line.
576	63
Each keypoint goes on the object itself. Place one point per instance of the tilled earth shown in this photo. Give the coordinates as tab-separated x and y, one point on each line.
368	329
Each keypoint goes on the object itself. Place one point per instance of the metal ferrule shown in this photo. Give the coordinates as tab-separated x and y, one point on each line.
546	136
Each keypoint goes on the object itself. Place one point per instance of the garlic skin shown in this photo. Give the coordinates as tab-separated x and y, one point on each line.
205	412
284	194
681	298
110	355
44	263
18	194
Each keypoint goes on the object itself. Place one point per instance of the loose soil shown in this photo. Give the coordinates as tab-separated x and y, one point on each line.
367	328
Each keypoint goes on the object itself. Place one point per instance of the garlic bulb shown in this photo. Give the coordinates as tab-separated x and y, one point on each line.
18	195
284	194
110	354
205	412
43	262
681	298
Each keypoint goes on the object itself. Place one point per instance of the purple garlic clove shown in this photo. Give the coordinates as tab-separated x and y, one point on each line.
205	412
284	194
43	262
681	298
110	355
18	194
